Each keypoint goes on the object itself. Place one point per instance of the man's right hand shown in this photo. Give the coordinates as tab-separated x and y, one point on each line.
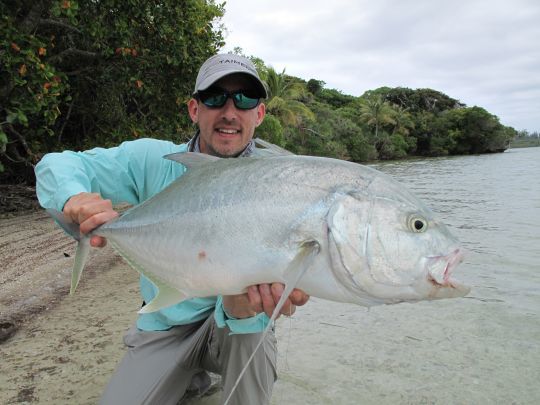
89	210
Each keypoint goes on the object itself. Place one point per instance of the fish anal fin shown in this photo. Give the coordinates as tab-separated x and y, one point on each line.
165	297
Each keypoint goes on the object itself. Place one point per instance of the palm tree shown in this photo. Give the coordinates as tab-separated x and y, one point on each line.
376	112
403	122
283	99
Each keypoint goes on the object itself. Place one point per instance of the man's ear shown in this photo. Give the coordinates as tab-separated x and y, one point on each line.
261	112
193	109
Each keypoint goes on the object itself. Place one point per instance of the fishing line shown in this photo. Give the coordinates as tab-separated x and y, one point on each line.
286	354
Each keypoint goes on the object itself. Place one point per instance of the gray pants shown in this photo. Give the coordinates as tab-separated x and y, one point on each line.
158	366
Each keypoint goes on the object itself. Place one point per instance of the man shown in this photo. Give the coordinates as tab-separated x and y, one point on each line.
169	351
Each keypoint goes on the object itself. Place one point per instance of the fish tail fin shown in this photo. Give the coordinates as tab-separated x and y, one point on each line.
294	272
71	228
81	255
83	248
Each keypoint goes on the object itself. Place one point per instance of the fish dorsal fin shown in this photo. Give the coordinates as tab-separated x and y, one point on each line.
277	150
294	272
192	159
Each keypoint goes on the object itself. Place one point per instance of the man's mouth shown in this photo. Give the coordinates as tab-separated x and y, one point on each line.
228	131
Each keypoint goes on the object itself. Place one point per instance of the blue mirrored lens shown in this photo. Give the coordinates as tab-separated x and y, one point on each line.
218	99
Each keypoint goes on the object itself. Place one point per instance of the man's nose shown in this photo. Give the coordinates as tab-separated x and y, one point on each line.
229	110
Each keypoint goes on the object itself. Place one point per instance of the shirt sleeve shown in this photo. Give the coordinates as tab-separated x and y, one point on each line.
131	172
255	324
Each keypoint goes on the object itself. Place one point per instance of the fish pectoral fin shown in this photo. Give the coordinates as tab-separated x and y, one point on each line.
165	297
299	265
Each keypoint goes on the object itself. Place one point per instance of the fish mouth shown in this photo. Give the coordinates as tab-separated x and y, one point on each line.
439	271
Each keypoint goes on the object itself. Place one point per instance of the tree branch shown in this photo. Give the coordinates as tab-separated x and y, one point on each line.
31	20
65	121
73	52
47	22
21	139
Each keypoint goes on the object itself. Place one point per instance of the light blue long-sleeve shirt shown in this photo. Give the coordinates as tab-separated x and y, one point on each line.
131	172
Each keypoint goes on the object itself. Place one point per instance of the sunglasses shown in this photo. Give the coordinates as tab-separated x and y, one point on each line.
216	98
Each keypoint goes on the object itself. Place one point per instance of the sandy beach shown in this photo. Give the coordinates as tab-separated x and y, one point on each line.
63	349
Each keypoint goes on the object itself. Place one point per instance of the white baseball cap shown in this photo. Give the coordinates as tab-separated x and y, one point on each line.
221	65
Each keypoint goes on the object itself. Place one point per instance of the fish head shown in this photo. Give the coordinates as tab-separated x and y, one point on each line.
387	247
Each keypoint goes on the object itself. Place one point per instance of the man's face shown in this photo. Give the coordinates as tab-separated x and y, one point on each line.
225	131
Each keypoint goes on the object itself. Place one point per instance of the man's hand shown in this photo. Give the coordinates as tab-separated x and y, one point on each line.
263	298
89	210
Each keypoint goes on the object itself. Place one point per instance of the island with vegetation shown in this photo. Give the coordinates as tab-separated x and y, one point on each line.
74	75
525	139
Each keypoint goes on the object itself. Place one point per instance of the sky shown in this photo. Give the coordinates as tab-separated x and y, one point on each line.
483	53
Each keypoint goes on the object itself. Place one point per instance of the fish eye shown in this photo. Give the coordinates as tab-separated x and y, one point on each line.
417	224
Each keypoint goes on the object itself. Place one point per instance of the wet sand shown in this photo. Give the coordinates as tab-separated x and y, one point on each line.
476	350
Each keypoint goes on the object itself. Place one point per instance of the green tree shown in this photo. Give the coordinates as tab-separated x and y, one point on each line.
315	86
335	98
75	74
375	112
283	102
271	130
476	131
415	100
403	122
334	134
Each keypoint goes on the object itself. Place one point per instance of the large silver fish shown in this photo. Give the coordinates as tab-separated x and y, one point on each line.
337	230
